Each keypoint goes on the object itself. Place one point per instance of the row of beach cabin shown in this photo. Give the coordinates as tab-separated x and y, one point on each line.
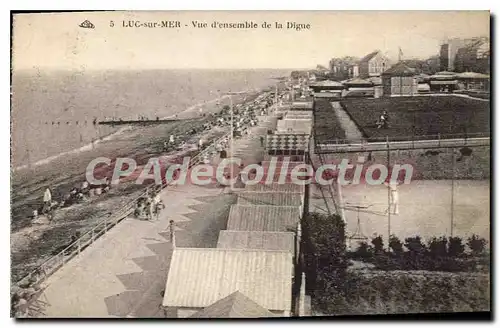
252	271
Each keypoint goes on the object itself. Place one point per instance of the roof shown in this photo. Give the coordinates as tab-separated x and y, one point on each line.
263	218
326	85
270	198
358	81
328	94
443	76
199	277
443	82
294	125
268	240
375	80
299	114
472	75
399	69
235	305
288	141
301	104
277	187
369	56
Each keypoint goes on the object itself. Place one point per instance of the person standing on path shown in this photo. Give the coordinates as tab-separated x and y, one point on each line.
171	230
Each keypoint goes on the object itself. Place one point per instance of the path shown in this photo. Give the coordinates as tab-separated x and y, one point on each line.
123	273
351	130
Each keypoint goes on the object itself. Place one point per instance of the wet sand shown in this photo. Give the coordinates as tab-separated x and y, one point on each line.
31	245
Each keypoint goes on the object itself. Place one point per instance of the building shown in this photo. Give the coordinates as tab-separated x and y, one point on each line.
473	81
343	68
373	64
200	277
267	240
263	218
443	82
474	57
474	48
233	306
277	187
358	87
266	198
399	80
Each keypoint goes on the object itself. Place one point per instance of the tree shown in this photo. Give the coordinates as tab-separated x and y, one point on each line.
378	244
437	246
364	251
476	244
396	245
325	252
455	247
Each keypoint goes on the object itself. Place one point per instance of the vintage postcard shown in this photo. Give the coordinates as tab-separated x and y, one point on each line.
250	164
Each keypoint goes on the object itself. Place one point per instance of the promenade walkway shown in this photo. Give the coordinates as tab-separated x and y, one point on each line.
123	273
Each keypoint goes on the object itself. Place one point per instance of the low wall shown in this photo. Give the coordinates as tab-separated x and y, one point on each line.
472	163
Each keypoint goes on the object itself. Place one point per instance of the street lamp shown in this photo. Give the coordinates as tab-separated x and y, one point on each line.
230	94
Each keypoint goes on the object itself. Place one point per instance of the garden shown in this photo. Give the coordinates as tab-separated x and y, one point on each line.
442	275
326	124
429	117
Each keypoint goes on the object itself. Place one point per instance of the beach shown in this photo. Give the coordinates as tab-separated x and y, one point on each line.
32	244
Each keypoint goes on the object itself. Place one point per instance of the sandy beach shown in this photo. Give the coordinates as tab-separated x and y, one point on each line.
32	244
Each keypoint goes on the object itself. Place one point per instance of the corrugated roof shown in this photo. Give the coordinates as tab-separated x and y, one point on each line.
263	217
235	305
268	240
289	126
287	141
299	114
267	198
276	187
358	81
472	75
400	69
326	83
369	56
327	94
198	277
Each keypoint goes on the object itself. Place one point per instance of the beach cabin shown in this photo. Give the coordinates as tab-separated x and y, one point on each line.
264	218
443	82
358	87
399	80
200	277
234	306
473	81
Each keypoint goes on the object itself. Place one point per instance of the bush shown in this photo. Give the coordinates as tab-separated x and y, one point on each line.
364	251
396	245
325	254
438	246
455	247
378	245
476	245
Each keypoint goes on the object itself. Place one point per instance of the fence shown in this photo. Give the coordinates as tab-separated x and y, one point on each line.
57	261
426	141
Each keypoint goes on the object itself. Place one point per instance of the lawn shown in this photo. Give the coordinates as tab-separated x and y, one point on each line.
402	292
421	117
326	124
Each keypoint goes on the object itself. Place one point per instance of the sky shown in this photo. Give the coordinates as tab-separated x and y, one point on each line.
55	40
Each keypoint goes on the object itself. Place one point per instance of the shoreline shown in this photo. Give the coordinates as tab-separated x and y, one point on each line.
32	244
91	145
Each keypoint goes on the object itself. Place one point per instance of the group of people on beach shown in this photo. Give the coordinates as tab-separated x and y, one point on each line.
149	206
45	213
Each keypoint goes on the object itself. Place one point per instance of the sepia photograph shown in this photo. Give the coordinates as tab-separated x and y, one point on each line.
250	164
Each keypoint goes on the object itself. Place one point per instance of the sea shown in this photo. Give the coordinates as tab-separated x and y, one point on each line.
53	111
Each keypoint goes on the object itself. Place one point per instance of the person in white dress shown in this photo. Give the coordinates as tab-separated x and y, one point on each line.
394	198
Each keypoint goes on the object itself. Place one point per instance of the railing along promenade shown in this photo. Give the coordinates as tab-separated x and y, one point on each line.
57	261
402	143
